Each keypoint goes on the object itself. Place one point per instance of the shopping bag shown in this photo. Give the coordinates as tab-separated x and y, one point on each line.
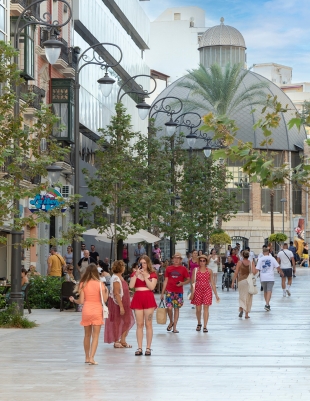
161	313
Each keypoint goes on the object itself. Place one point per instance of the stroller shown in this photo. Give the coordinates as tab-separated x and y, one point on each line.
226	279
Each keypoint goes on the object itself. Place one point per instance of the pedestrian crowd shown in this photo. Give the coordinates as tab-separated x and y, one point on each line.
105	294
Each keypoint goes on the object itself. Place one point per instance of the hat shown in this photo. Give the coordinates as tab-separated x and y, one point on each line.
178	255
203	257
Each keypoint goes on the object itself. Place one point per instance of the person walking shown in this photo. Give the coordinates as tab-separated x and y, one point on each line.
90	290
193	262
84	262
202	284
139	251
69	255
287	263
265	266
293	249
243	269
213	264
55	263
176	276
121	318
143	303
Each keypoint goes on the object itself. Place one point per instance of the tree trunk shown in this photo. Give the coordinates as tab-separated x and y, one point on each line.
271	212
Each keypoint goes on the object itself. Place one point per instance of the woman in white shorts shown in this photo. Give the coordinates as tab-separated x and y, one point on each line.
213	264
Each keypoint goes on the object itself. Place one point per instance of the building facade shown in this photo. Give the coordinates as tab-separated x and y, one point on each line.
251	227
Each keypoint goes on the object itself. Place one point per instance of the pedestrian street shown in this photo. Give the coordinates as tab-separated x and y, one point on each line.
263	358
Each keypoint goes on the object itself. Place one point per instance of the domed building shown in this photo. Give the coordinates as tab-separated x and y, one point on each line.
224	44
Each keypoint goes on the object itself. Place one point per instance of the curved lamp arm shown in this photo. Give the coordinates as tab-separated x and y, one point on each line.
46	20
143	93
96	59
168	109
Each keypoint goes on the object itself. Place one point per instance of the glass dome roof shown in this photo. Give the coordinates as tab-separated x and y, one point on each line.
284	139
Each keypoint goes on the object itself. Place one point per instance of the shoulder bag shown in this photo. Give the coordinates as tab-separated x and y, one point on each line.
105	309
288	257
189	294
252	287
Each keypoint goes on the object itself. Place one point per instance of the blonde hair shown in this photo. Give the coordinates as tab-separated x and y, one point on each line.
150	268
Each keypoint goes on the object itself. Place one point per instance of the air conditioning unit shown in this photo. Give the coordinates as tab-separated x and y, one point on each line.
67	190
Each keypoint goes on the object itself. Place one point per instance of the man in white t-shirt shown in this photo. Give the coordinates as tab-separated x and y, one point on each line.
265	266
286	260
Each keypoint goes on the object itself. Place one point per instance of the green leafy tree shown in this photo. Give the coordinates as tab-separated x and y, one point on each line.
204	198
131	180
22	162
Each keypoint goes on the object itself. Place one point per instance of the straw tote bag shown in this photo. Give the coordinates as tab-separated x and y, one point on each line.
161	313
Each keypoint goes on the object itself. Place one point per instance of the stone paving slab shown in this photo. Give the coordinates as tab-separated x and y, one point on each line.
260	359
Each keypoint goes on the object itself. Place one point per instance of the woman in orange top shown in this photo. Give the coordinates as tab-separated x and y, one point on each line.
92	315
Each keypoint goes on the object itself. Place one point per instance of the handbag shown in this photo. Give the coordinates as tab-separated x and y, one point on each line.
161	313
252	287
105	309
189	294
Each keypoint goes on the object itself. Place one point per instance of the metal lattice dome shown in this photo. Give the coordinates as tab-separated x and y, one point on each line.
284	139
222	35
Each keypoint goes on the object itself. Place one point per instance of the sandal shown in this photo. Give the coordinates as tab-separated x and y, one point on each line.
125	345
241	313
139	352
148	352
118	344
175	331
198	328
205	330
170	326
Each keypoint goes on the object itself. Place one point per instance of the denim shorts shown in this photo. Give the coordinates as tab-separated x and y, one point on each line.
174	299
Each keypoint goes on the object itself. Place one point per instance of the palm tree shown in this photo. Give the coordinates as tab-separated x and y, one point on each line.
221	90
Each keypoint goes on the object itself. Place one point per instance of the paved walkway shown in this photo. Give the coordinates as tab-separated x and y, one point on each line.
263	358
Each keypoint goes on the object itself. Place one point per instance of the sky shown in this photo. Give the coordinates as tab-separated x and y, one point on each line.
275	31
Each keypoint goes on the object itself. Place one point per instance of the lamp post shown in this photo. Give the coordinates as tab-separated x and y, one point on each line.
283	200
52	52
107	82
130	86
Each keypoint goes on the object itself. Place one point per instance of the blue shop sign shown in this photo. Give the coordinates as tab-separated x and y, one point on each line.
47	201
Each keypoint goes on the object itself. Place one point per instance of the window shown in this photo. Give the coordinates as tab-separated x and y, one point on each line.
278	195
239	185
3	20
63	107
26	47
177	16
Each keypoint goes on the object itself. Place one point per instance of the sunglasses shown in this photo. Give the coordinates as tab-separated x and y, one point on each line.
202	260
70	269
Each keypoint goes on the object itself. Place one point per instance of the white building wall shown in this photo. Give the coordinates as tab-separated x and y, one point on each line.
276	73
174	43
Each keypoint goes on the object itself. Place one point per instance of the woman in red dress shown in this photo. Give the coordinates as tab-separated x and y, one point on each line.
202	284
121	318
144	281
90	288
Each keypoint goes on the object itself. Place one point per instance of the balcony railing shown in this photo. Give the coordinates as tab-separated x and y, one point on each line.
35	10
36	100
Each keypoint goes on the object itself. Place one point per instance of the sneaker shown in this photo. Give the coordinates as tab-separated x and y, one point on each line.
294	275
267	308
284	293
288	293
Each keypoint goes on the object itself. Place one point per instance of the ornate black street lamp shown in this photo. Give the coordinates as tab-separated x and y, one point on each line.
89	57
52	52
